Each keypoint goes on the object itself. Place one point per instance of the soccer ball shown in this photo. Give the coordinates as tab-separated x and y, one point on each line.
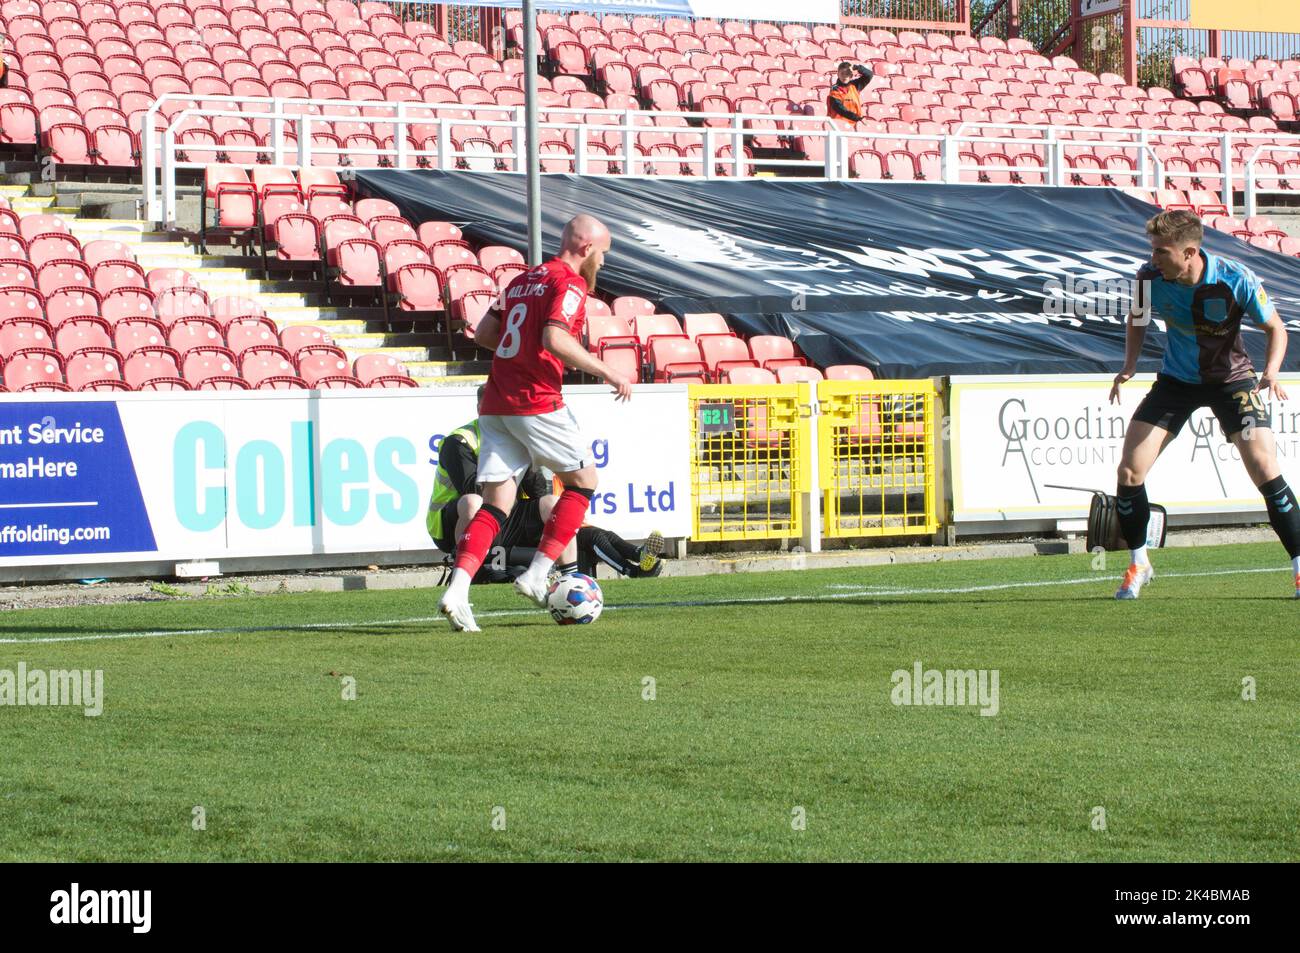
574	600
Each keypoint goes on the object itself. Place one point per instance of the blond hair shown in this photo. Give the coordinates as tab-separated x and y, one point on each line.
1179	226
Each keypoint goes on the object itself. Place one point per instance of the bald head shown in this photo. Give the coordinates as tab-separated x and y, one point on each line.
583	245
584	230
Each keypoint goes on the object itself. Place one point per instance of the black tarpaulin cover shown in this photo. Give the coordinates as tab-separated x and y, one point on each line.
913	279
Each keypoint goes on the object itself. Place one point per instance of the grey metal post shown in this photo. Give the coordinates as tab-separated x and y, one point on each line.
530	135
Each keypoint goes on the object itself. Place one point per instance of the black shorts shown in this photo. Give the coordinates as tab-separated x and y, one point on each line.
523	530
1171	402
524	526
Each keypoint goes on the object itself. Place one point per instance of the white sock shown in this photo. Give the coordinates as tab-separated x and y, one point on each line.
458	588
1140	557
1295	565
540	566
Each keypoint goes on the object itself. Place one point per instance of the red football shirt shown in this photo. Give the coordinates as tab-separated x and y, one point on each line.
525	377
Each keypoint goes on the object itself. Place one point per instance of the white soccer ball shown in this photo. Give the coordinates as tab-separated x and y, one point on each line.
574	600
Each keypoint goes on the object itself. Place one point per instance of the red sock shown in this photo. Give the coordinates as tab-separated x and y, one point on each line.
473	546
566	519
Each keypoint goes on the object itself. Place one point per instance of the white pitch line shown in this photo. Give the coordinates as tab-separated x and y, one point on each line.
876	591
844	593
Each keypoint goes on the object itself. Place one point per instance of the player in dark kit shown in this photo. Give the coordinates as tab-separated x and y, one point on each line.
523	421
1204	299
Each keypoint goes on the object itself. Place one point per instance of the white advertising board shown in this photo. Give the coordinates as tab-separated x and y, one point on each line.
149	477
1012	437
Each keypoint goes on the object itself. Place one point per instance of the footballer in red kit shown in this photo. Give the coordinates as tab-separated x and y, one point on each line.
523	421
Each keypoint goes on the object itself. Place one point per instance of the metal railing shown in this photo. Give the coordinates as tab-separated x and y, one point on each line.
721	133
1252	176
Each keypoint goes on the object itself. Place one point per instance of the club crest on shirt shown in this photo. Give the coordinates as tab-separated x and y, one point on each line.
572	299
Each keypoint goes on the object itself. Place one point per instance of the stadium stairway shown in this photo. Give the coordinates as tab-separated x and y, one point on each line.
295	300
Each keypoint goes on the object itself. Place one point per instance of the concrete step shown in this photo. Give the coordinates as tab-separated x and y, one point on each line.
442	369
334	327
127	231
404	354
28	205
460	380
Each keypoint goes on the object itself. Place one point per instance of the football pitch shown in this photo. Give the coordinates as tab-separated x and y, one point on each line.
737	717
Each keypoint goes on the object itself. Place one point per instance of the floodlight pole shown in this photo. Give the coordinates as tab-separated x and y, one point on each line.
530	135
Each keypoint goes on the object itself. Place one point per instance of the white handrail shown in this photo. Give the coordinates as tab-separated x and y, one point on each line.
1252	187
1149	170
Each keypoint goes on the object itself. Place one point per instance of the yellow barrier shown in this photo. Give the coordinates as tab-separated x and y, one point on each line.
750	463
876	458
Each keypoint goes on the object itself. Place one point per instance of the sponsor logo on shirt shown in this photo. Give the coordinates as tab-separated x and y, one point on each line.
572	299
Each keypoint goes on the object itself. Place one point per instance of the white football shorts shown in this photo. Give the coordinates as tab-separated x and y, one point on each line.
509	445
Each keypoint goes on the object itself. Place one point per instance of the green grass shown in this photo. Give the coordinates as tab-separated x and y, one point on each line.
760	707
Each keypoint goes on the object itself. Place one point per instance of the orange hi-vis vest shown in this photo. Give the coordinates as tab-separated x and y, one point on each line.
846	94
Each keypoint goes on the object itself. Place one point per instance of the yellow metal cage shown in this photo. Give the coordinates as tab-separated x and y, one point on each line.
876	458
750	465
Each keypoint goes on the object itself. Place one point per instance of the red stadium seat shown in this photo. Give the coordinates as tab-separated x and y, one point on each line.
722	348
19	333
849	372
16	273
33	225
205	362
419	287
63	275
114	145
297	238
111	275
493	256
71	303
369	368
448	254
470	308
302	339
630	306
647	327
431	233
610	330
52	246
258	363
165	383
234	202
796	373
33	367
127	303
675	357
315	366
192	332
704	323
95	369
148	364
130	334
770	347
359	263
97	252
223	383
399	253
249	332
78	333
749	376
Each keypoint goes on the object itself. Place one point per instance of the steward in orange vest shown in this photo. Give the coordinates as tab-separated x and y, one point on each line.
843	104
